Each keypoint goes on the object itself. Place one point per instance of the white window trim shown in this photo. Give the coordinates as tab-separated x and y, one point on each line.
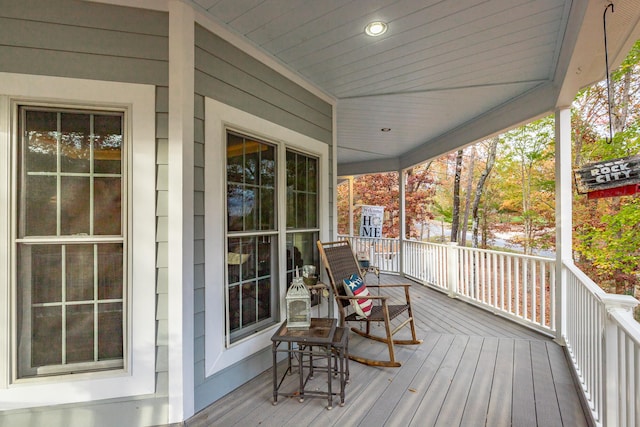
139	374
218	117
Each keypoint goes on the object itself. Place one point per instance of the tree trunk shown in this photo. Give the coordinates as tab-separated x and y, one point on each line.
455	217
467	198
491	158
621	109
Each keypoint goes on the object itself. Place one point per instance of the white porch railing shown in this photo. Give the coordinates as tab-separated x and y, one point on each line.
521	287
603	341
601	336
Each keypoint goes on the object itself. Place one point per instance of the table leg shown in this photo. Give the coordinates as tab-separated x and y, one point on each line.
311	371
300	352
274	348
329	355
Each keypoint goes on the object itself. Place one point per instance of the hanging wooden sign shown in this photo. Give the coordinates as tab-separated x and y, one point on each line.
625	190
608	174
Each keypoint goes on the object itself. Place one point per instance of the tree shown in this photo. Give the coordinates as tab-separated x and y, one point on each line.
419	192
379	189
382	189
528	171
467	199
607	238
491	158
342	200
455	220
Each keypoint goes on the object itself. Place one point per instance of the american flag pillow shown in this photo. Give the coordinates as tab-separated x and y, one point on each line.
354	286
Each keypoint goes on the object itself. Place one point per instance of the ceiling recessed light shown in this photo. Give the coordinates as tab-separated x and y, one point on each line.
376	28
385	130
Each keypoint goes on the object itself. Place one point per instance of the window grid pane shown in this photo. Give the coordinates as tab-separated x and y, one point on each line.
251	196
302	191
72	318
60	179
250	277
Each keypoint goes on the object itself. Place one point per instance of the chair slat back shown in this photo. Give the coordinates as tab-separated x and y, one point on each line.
340	263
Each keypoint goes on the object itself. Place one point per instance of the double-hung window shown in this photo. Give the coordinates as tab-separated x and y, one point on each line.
70	245
252	228
252	239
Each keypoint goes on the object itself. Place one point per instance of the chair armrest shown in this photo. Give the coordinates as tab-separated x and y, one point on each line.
406	287
378	297
399	285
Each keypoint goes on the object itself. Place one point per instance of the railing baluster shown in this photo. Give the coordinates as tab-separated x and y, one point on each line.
509	285
534	286
494	280
502	296
517	288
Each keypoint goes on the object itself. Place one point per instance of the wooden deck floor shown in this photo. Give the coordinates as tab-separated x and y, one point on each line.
473	369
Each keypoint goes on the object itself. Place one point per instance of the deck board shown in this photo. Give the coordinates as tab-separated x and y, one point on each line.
477	401
523	404
499	411
547	410
428	410
404	411
473	369
401	385
452	409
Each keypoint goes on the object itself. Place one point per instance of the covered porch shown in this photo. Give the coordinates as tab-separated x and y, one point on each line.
474	368
509	339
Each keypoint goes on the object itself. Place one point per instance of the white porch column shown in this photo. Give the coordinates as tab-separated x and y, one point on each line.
403	221
452	269
564	215
181	185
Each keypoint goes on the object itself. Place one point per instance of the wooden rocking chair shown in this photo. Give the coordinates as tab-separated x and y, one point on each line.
340	263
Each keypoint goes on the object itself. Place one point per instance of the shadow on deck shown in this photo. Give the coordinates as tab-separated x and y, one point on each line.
473	369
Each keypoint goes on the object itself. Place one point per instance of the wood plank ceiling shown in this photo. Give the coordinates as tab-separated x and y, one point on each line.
446	73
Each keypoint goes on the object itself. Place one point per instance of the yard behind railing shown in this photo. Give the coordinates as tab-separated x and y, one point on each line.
601	336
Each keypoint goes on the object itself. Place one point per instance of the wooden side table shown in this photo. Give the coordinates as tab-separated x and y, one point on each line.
305	346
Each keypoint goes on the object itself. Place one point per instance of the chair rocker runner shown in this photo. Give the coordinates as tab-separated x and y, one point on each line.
340	263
